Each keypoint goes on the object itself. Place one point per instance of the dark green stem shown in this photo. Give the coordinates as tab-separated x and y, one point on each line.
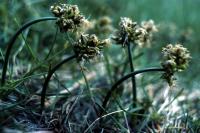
114	87
50	73
134	90
12	41
52	46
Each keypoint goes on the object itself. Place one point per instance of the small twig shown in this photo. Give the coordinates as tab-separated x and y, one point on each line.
126	121
91	125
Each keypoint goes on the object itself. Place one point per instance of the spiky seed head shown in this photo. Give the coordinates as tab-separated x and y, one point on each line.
140	36
149	26
130	31
69	17
88	47
175	58
127	25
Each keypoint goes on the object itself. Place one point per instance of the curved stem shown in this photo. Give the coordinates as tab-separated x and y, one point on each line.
114	87
133	77
13	39
50	73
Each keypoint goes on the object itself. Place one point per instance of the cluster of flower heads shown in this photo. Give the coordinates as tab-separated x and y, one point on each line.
69	16
175	58
130	31
89	46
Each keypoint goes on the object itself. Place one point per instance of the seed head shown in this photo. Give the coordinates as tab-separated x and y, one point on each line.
88	47
149	26
105	20
69	16
140	36
101	27
130	31
127	25
175	58
57	10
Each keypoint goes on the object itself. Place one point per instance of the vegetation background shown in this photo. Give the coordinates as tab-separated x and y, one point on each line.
178	22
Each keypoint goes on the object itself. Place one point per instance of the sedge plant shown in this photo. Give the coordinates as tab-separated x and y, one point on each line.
67	17
89	46
130	34
175	58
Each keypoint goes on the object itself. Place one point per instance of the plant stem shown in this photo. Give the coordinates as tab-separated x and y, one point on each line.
13	39
134	90
107	66
50	73
53	44
114	87
86	82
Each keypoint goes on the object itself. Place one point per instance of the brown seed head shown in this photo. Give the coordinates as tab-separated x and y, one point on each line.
69	17
175	58
88	47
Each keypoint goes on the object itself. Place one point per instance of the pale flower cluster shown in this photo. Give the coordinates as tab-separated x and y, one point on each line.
175	58
89	46
69	17
129	31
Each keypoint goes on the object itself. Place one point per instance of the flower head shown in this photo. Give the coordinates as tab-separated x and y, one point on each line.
101	27
88	47
127	25
150	28
140	36
130	31
175	58
69	16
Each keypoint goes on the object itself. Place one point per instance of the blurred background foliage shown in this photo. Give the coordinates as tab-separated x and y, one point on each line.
178	22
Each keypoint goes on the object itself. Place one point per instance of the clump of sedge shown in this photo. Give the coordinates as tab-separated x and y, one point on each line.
175	58
89	46
69	17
